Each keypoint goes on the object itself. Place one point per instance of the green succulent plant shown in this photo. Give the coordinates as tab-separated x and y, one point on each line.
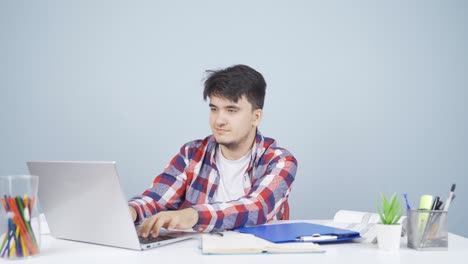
389	209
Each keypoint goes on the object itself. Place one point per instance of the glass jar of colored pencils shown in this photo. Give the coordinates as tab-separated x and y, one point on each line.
19	225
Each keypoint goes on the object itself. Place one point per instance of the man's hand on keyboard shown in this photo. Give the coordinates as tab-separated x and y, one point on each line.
179	219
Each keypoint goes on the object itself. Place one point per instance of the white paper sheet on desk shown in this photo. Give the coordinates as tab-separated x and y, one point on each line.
362	222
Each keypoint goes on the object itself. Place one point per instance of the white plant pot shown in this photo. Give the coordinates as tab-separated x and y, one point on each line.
389	236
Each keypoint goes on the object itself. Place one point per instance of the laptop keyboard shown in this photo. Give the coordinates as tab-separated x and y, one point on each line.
150	239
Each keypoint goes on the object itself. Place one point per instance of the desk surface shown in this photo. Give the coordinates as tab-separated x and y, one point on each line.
62	251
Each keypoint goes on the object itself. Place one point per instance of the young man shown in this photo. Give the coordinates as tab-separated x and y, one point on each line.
233	178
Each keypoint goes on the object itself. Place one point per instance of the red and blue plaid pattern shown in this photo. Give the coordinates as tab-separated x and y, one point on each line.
191	179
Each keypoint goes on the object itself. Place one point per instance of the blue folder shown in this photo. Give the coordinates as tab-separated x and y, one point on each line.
292	232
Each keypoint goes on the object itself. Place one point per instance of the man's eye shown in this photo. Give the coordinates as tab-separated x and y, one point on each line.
213	109
232	110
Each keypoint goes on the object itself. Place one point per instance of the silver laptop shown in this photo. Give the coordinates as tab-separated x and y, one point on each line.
83	201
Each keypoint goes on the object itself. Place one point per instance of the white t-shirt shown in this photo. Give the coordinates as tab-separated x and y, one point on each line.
231	172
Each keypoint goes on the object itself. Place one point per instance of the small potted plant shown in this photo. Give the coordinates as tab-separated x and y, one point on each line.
389	230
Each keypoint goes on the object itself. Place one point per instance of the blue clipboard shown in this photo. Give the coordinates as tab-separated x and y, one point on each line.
293	232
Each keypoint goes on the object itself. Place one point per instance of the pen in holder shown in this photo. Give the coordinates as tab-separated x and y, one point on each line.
427	229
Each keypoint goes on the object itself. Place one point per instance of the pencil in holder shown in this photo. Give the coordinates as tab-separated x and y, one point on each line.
427	229
19	232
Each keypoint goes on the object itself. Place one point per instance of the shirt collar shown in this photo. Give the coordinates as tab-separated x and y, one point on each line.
257	150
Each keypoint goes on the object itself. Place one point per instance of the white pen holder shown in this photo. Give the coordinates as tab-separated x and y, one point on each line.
427	229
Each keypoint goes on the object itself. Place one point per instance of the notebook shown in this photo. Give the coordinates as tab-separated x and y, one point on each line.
83	201
232	242
300	232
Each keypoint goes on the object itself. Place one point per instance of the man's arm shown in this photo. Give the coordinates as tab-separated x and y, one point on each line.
265	199
165	192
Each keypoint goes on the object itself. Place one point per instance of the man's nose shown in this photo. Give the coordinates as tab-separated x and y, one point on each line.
220	119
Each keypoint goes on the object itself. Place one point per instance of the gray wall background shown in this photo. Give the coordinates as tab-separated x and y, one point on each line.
370	96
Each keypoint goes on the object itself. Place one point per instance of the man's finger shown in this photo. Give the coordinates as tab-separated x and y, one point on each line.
147	225
160	222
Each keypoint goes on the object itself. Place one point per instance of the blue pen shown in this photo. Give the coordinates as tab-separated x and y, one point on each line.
407	202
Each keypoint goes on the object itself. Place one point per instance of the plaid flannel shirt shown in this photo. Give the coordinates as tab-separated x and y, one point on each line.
191	179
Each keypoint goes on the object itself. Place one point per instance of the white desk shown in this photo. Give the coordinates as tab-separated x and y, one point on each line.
62	251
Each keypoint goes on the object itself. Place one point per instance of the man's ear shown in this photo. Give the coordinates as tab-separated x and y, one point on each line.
258	114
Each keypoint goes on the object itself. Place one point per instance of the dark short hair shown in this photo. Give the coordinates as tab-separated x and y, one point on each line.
234	82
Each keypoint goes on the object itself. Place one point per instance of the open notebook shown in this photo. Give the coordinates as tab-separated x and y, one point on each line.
232	242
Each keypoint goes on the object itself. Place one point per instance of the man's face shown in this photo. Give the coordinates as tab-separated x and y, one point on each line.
232	122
